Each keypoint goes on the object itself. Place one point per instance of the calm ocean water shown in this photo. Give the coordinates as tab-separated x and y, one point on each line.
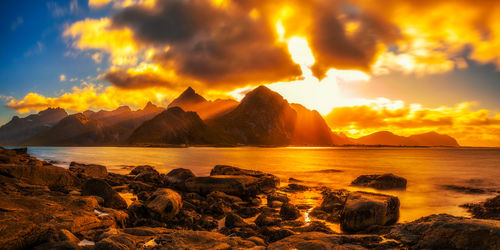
426	169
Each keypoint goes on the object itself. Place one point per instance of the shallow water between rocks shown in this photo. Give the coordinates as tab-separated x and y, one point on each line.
426	169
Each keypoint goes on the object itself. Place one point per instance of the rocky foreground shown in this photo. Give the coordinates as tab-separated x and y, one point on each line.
47	207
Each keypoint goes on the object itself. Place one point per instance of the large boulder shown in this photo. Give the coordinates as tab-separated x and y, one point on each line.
448	232
88	170
382	182
318	240
267	182
164	204
331	206
186	239
363	209
180	174
55	177
147	174
177	177
289	211
102	189
334	200
239	185
142	169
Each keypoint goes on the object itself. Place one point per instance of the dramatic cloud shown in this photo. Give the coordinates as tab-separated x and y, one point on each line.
437	34
218	46
90	96
98	3
161	46
143	76
92	34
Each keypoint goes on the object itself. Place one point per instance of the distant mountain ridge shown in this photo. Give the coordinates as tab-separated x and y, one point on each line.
387	138
262	118
20	129
95	128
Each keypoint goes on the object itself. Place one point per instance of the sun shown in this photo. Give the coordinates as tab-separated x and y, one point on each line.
318	94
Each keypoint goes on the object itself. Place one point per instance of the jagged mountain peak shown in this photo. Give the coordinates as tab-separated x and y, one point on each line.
188	97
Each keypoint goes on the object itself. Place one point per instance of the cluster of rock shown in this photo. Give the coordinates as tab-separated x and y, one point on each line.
47	207
489	209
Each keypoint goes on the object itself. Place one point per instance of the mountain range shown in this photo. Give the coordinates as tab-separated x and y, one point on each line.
262	118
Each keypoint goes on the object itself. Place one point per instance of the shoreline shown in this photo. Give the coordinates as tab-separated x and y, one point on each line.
236	207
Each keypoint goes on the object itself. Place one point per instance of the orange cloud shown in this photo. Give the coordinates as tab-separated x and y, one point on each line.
91	96
229	44
383	114
97	34
435	34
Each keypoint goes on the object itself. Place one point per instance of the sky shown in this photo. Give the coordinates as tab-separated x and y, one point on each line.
399	65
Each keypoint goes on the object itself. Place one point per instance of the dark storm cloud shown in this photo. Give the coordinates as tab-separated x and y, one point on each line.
226	47
123	79
333	46
171	21
213	45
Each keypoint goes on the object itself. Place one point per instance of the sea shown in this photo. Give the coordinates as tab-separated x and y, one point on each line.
428	170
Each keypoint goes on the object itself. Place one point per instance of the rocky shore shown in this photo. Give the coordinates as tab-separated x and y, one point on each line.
85	207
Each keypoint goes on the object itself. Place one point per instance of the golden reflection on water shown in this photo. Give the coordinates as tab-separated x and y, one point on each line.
426	169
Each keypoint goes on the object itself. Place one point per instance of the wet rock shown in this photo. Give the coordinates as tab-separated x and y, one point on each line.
147	174
256	201
448	232
257	240
273	233
283	198
463	189
333	200
186	239
29	221
293	187
267	219
382	182
143	196
102	189
118	179
289	211
363	209
314	226
275	204
142	169
489	209
293	180
90	170
59	245
179	175
317	240
222	197
266	182
331	206
233	220
239	185
137	211
164	204
54	177
139	186
248	212
318	213
117	242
